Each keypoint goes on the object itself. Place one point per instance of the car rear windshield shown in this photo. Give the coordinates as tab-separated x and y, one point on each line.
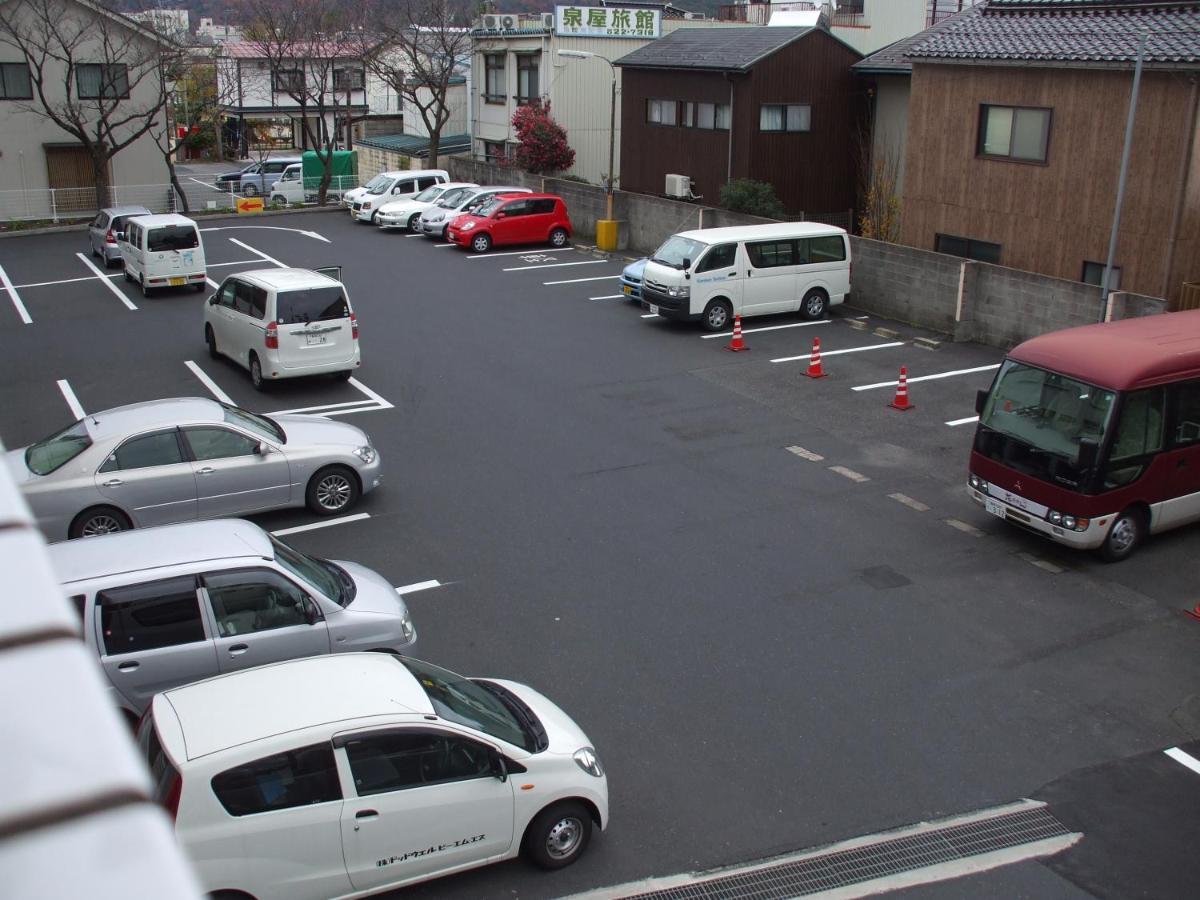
312	305
461	700
172	237
57	450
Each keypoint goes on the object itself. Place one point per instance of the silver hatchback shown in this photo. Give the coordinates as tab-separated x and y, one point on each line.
103	231
189	458
435	220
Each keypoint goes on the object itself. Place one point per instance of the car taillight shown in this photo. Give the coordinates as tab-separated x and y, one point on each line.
272	339
170	800
110	238
354	326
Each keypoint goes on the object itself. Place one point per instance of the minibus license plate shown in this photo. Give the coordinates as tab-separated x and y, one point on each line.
175	282
653	310
318	338
995	507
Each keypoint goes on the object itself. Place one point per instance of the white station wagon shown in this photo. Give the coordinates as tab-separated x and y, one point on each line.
340	776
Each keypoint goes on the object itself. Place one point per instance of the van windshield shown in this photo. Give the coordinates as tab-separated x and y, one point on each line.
312	305
378	184
675	250
57	450
172	237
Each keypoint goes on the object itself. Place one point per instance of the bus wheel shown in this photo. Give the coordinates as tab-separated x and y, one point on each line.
1124	536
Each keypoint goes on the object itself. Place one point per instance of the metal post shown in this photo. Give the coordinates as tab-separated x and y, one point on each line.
1106	279
612	137
53	206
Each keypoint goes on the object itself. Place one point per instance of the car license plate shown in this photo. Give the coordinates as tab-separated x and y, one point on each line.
316	338
653	310
177	281
995	507
628	289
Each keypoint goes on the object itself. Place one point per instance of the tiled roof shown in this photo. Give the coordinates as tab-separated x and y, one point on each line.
412	145
723	49
1079	32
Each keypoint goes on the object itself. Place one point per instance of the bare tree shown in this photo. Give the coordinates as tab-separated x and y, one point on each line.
191	86
313	51
879	176
420	45
93	72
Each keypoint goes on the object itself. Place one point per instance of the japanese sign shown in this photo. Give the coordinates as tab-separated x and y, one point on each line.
607	21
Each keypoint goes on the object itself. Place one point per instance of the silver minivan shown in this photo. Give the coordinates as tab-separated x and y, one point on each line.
171	605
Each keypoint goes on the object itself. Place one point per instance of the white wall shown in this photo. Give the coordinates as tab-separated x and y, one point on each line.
890	135
456	102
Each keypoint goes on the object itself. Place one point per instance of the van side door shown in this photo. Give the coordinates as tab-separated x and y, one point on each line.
152	637
771	276
1182	501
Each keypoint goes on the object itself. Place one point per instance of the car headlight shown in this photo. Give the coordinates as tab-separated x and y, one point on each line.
366	204
586	759
366	453
979	484
406	626
468	226
683	291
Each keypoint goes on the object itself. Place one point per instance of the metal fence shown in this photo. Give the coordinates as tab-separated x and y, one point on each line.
74	204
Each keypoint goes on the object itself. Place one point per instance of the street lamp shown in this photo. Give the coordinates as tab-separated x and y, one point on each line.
612	120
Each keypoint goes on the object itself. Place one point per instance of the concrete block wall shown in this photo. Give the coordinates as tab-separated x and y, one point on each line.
918	287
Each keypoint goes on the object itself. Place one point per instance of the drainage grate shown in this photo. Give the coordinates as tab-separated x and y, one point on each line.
888	857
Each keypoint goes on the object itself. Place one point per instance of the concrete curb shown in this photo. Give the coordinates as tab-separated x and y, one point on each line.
201	217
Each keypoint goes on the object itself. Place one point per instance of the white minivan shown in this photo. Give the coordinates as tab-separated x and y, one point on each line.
364	202
162	251
283	323
714	273
341	776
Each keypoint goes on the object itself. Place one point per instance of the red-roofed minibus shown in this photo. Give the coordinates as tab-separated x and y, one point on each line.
1091	435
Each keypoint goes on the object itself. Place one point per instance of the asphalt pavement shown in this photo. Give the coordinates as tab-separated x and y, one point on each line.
765	597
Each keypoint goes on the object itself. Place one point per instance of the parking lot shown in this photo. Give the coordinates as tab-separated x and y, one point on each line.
766	597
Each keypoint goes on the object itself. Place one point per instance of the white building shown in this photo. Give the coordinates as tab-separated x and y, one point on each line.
45	171
219	33
172	23
516	62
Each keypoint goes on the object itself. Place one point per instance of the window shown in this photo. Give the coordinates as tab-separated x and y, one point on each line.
146	451
541	207
474	704
289	81
57	450
225	296
661	112
825	249
14	82
1187	413
94	81
250	300
493	151
313	305
1093	273
397	760
426	182
148	616
772	254
494	86
1139	434
515	209
687	117
719	257
296	778
527	79
218	443
255	600
172	237
784	117
704	115
1014	132
347	79
966	247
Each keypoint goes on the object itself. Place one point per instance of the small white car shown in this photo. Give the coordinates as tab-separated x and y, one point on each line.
283	323
344	775
385	187
162	251
406	213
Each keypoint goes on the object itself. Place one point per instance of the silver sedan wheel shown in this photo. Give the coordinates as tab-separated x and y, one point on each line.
334	491
101	523
564	836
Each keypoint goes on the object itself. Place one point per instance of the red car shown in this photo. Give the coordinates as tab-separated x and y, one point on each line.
515	219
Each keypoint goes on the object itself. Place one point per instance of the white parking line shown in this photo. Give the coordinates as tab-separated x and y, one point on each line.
104	281
66	280
518	253
211	187
212	284
951	374
849	473
910	502
805	454
1184	759
769	328
953	422
238	262
586	262
825	353
72	401
419	586
650	316
383	404
444	245
414	235
208	383
578	280
269	259
315	409
14	297
325	523
609	297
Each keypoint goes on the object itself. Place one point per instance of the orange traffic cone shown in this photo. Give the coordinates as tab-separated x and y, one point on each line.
901	402
1194	613
814	361
737	345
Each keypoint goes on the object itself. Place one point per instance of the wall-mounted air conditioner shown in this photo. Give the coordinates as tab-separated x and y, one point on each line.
547	20
491	23
508	23
679	186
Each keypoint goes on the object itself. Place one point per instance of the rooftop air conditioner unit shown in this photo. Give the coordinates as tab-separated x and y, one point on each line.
508	23
679	186
491	23
547	20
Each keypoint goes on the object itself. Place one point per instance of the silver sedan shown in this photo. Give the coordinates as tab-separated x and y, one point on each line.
189	458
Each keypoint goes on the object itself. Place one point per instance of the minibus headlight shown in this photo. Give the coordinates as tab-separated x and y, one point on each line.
1068	522
586	759
978	483
1055	518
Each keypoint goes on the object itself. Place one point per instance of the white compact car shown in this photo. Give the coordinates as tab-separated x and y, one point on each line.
340	776
364	202
283	323
406	213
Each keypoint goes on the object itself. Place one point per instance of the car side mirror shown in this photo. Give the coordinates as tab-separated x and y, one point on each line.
312	615
212	301
262	449
501	215
499	769
980	401
120	235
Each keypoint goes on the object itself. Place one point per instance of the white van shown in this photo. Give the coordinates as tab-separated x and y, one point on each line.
284	323
162	251
751	270
364	202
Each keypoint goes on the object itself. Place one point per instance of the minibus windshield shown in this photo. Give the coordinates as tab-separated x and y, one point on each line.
675	250
1034	420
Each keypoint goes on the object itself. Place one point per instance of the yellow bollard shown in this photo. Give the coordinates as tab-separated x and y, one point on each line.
606	234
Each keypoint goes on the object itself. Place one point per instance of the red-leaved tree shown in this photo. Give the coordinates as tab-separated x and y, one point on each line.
543	147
